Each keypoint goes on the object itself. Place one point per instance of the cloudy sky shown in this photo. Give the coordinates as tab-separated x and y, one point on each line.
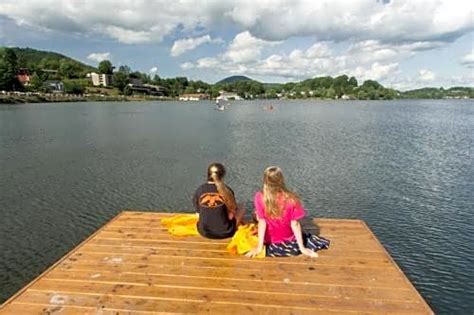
401	43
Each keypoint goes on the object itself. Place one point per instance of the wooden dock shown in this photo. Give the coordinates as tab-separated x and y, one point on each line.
133	266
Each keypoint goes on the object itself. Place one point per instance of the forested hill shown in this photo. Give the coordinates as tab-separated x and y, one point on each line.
36	60
233	79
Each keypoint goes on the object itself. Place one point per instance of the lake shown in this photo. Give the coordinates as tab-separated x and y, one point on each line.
405	167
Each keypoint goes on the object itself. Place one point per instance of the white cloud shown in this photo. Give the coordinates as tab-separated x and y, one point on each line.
128	36
153	70
207	62
183	45
417	81
426	75
376	71
98	57
370	38
462	80
396	21
401	21
244	56
468	59
187	65
246	48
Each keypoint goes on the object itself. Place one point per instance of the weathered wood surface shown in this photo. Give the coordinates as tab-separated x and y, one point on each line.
133	266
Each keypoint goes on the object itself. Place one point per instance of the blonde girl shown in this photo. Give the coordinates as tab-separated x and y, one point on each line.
278	211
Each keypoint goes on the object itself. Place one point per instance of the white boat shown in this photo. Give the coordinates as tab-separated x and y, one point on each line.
219	106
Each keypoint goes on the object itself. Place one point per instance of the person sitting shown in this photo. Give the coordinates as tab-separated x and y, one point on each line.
278	211
214	201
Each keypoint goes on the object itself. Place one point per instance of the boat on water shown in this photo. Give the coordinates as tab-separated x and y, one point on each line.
269	108
220	104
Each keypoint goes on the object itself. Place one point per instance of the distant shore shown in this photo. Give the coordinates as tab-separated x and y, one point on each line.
10	98
27	98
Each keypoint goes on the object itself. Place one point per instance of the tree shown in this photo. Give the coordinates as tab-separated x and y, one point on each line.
127	91
353	82
68	69
105	67
73	87
8	70
35	82
49	63
371	84
121	78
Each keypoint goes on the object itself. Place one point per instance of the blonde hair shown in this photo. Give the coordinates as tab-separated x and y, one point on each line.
273	185
216	172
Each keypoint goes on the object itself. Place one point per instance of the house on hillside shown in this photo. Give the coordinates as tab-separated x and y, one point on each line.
135	81
50	72
100	79
54	86
193	97
147	89
23	76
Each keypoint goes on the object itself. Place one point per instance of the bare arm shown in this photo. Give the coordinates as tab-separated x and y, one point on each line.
296	228
262	227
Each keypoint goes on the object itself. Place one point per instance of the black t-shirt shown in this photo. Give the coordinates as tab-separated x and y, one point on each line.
213	218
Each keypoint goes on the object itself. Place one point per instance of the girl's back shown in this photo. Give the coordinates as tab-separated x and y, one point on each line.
214	220
279	228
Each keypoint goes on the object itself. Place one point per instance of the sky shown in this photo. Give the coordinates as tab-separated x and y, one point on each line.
403	44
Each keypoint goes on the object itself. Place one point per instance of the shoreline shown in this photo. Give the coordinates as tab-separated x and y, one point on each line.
13	98
24	98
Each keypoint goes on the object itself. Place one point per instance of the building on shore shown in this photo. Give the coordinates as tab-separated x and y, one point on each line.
228	96
100	79
54	86
24	76
135	81
193	97
147	89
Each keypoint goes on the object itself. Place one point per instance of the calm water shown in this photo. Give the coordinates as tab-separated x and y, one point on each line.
405	167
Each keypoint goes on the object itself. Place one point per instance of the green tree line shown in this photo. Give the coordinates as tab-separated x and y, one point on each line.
44	66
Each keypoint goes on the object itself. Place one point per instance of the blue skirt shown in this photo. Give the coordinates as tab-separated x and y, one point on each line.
290	248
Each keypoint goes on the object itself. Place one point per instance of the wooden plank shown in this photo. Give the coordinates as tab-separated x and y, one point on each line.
222	247
327	275
225	258
229	273
323	231
19	308
191	242
116	305
144	230
319	224
196	251
154	218
147	292
232	284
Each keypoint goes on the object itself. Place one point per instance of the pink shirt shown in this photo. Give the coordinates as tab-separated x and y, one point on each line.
279	229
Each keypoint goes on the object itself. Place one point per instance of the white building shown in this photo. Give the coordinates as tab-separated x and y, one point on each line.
228	96
99	79
193	97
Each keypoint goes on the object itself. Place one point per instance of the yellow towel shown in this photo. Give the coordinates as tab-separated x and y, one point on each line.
181	224
244	239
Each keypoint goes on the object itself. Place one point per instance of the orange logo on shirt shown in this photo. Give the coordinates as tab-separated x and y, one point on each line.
211	200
